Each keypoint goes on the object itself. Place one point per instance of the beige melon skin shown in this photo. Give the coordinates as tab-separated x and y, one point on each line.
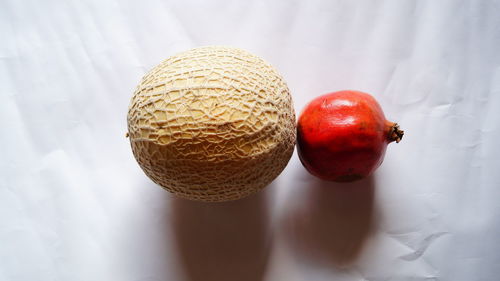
212	124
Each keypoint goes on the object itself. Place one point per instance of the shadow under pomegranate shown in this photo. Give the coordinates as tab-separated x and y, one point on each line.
332	222
223	241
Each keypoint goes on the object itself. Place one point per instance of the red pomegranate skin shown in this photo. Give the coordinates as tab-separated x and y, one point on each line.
342	136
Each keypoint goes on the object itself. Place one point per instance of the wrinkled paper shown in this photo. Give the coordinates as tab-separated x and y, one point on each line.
74	204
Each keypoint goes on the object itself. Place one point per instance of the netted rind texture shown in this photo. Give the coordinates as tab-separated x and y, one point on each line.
212	124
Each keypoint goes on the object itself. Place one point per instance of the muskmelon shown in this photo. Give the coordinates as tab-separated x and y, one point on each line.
212	124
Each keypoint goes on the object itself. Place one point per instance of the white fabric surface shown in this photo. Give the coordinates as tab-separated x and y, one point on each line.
74	204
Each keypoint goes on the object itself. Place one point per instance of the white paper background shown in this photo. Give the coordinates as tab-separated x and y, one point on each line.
74	205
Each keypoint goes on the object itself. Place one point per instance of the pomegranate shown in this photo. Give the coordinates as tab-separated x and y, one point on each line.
342	136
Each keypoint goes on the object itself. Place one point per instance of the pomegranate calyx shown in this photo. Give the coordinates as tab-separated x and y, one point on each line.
395	133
